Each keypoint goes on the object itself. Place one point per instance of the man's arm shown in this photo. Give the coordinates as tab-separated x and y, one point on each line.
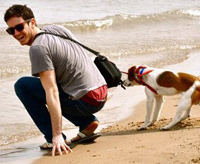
48	80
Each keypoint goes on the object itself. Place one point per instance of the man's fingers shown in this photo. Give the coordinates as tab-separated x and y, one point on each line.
56	149
68	148
59	149
64	149
53	151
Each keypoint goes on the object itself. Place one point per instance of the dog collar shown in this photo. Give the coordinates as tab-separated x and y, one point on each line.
138	77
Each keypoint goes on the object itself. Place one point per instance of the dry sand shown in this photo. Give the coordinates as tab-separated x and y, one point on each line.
122	143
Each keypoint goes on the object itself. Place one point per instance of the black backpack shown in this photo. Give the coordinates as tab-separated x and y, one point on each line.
108	69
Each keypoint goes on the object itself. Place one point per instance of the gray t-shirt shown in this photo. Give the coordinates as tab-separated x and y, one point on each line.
75	71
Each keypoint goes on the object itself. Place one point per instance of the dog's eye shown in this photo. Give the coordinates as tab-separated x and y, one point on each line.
130	77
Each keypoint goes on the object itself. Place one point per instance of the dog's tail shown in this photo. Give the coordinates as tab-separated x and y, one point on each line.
196	93
198	85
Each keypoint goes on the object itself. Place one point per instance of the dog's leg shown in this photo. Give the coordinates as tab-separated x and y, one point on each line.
186	114
158	107
149	106
182	110
195	96
184	106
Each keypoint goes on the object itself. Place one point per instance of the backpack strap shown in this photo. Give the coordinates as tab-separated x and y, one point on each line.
68	38
87	48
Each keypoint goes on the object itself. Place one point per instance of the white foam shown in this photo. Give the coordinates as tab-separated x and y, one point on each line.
191	65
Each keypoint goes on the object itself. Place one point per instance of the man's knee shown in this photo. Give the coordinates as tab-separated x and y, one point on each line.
19	85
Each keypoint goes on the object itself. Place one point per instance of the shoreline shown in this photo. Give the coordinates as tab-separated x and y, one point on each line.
121	142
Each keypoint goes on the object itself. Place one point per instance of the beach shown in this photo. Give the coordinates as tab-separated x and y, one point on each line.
122	143
157	33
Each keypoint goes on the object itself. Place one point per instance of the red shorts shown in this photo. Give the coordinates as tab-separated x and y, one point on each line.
96	97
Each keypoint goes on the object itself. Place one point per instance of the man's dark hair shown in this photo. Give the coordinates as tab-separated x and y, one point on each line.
18	11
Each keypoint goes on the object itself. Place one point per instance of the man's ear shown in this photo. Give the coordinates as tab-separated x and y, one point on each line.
33	23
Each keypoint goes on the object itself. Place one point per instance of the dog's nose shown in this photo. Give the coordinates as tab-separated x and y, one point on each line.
126	83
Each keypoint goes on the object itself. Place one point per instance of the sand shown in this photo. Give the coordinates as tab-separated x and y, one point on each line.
122	143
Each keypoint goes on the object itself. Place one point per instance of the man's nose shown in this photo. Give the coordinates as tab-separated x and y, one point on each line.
16	32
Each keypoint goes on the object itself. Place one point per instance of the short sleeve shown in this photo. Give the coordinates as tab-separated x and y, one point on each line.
41	60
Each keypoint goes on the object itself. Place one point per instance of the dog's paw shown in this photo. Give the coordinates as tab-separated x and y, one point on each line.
142	128
151	123
165	128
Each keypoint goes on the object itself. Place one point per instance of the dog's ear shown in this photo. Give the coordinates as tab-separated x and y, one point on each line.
131	73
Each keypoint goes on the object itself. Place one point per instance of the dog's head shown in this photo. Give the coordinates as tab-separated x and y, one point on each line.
131	76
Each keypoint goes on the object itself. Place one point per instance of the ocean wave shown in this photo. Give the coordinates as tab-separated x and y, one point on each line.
8	71
190	12
13	133
127	19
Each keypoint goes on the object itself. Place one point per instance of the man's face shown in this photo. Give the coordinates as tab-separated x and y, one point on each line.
22	34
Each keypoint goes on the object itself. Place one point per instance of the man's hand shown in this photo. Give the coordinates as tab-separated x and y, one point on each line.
59	145
48	79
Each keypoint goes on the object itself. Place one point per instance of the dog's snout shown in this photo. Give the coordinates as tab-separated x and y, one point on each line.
127	83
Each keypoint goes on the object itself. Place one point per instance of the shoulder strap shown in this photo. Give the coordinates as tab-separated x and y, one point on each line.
65	37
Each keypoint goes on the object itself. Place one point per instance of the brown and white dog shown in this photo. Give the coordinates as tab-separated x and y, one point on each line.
160	82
